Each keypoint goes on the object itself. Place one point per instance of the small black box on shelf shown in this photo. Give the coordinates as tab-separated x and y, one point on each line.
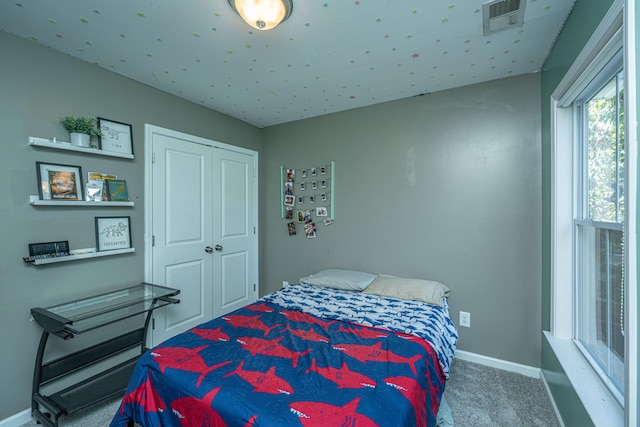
48	248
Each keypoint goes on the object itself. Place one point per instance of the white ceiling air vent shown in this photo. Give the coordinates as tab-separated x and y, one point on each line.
498	15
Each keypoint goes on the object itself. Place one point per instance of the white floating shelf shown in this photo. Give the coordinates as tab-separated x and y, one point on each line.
35	201
62	145
79	254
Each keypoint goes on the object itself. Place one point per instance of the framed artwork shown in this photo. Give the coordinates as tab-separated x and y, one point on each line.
59	182
113	232
117	190
115	136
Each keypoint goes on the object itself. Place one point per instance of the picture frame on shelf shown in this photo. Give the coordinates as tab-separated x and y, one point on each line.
113	232
115	136
117	190
59	182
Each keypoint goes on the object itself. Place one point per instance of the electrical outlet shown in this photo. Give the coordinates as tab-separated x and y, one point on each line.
285	283
465	319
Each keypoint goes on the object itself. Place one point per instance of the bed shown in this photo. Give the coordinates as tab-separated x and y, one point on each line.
306	355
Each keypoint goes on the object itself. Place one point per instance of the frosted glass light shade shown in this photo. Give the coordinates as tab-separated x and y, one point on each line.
262	14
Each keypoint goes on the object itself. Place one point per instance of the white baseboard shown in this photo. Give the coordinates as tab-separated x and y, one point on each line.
505	365
17	420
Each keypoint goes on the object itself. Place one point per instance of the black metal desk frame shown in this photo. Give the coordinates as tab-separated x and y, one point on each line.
70	319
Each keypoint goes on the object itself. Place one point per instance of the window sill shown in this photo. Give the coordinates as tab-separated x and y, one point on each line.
600	404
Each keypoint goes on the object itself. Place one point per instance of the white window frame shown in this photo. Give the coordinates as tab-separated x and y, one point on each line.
616	31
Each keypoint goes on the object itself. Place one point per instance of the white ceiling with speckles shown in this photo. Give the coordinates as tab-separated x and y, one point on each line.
329	56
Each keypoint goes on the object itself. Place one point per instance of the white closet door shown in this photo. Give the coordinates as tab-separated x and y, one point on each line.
182	208
235	234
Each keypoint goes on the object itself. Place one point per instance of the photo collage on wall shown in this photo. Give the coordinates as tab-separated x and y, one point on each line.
307	197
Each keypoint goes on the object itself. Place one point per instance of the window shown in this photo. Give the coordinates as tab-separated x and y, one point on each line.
594	321
598	254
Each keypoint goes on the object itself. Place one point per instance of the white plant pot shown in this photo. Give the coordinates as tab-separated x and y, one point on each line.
80	139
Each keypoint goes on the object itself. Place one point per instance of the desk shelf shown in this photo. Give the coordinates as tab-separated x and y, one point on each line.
76	317
103	386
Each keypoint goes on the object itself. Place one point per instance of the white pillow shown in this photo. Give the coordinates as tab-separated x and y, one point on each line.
349	280
412	289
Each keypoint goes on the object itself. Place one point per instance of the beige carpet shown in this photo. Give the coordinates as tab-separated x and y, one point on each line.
482	396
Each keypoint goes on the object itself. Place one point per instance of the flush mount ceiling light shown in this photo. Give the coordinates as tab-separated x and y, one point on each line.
262	14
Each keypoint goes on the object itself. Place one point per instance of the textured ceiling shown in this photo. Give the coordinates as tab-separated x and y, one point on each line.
328	56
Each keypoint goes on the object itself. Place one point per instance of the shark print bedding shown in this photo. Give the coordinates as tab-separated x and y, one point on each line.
302	356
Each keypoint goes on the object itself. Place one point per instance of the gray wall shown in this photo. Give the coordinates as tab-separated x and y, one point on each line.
471	220
37	87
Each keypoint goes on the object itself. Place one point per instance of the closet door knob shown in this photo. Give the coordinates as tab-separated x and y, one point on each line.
208	249
218	248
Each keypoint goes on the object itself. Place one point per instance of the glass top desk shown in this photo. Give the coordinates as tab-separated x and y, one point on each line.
72	318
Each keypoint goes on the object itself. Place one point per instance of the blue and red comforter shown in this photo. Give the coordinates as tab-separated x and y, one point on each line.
272	364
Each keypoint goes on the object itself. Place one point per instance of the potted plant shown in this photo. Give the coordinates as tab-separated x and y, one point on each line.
80	129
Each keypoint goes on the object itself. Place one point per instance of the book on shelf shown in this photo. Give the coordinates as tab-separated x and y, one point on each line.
117	190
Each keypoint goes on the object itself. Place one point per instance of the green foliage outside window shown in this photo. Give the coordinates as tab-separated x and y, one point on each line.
606	153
